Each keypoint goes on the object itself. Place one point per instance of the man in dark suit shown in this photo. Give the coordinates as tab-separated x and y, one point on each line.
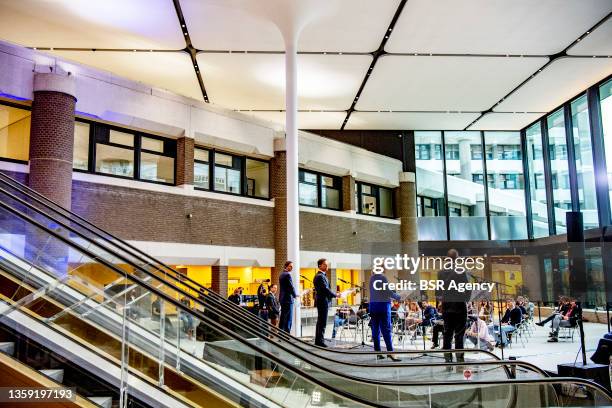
323	296
287	294
454	307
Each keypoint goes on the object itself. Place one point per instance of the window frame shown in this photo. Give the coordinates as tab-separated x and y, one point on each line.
375	193
337	180
24	106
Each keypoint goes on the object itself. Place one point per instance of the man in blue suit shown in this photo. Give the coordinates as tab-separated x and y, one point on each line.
287	294
323	296
380	313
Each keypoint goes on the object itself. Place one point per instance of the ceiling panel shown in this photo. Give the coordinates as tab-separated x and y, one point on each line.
306	120
542	27
504	121
169	70
142	24
443	83
598	42
355	26
257	81
410	120
560	81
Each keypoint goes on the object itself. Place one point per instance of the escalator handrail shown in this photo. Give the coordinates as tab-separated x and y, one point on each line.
197	300
271	356
228	306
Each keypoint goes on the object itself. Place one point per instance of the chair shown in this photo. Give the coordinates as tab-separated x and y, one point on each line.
567	332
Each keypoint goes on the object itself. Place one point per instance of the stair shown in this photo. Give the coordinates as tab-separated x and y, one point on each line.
55	374
7	347
104	402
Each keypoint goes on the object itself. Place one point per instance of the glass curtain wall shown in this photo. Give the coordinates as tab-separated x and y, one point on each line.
605	96
466	193
431	204
537	187
583	151
506	185
557	148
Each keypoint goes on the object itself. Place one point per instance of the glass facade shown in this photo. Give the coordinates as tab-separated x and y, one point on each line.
537	185
605	97
14	133
583	152
557	150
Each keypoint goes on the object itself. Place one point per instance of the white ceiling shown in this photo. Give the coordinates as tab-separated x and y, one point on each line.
257	81
443	83
213	25
144	24
170	70
504	121
541	27
410	120
560	81
473	74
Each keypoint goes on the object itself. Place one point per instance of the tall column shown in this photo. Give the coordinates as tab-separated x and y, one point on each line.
52	136
407	207
291	138
184	161
348	194
219	279
278	189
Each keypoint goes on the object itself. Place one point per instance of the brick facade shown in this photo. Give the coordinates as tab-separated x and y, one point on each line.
219	279
348	194
278	191
184	161
51	145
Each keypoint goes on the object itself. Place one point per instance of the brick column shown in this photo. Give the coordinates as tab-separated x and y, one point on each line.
219	279
348	194
184	161
52	136
407	212
278	192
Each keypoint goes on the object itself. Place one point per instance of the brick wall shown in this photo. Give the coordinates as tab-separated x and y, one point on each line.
184	161
51	145
322	232
154	216
278	189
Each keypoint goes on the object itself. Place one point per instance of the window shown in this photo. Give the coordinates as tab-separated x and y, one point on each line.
557	143
585	171
452	152
14	133
510	181
375	200
258	178
537	187
123	153
466	194
430	189
155	163
227	173
319	190
201	168
423	152
476	152
80	160
509	152
605	97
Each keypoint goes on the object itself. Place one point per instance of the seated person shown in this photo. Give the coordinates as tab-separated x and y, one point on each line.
479	334
429	314
364	308
602	354
438	328
341	317
567	319
561	308
236	297
520	302
512	318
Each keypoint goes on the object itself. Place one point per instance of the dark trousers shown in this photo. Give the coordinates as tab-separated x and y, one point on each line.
381	323
322	311
437	329
286	317
454	326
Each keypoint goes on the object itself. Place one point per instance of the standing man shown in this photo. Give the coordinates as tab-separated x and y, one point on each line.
454	307
380	313
323	296
287	294
272	305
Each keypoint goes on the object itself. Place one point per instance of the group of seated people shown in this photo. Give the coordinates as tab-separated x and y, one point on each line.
566	314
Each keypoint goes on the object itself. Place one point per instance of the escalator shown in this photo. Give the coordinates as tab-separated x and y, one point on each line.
44	279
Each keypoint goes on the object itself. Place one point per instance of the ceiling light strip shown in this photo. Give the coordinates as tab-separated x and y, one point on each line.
551	58
189	48
375	55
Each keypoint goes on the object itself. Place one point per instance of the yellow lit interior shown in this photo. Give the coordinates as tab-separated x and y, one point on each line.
306	286
347	290
247	277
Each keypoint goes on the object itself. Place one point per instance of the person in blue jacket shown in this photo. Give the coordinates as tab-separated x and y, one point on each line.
380	313
287	294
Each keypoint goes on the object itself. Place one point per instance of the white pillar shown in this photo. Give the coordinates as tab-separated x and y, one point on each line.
291	138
